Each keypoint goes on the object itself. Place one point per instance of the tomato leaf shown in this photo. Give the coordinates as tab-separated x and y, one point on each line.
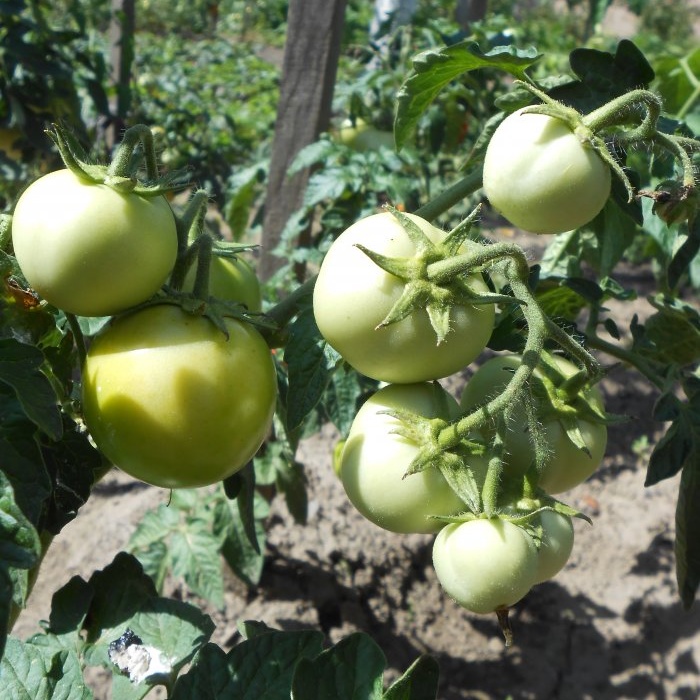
32	671
259	667
686	254
243	556
19	541
435	68
419	682
687	545
353	668
603	76
310	361
20	368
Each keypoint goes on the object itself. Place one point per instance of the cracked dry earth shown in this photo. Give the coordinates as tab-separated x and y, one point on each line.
610	626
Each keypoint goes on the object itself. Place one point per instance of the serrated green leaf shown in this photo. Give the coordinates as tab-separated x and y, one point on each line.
353	668
244	559
341	397
675	332
310	361
561	301
194	557
291	481
20	368
23	672
686	253
435	68
19	542
419	682
256	669
687	544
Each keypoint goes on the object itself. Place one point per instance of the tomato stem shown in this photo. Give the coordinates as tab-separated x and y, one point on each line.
188	225
78	337
453	195
122	165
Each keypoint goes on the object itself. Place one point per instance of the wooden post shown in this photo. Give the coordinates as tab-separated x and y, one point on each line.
309	68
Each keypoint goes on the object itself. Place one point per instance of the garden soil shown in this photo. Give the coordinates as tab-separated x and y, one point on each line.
609	626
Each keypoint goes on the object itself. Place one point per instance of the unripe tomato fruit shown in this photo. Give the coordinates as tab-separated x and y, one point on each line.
363	137
556	544
353	295
230	279
90	250
485	565
541	177
375	459
169	400
567	465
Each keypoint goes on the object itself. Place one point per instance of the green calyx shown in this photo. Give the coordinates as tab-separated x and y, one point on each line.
134	155
421	288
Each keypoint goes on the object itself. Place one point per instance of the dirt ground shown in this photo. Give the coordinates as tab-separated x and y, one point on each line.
610	625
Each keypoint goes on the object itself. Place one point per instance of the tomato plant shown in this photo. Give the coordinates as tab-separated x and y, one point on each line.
485	564
376	457
172	401
566	464
542	176
353	296
91	250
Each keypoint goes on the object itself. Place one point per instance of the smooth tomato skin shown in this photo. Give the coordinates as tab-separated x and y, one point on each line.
353	295
567	465
230	279
90	250
541	177
485	565
171	402
556	545
374	461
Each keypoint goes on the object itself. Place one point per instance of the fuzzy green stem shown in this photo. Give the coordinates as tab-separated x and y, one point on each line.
451	196
675	146
517	272
288	307
613	113
494	473
201	281
444	271
78	337
121	165
188	226
627	357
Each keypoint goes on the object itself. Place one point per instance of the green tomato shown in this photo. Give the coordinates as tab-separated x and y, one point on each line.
363	137
556	544
230	279
375	459
169	400
353	295
541	176
485	565
90	250
567	465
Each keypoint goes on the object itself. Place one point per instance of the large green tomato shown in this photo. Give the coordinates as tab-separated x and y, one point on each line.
375	459
555	546
567	465
353	295
90	250
541	176
168	399
230	279
485	565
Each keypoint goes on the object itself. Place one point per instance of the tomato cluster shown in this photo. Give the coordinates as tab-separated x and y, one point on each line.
168	396
485	561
